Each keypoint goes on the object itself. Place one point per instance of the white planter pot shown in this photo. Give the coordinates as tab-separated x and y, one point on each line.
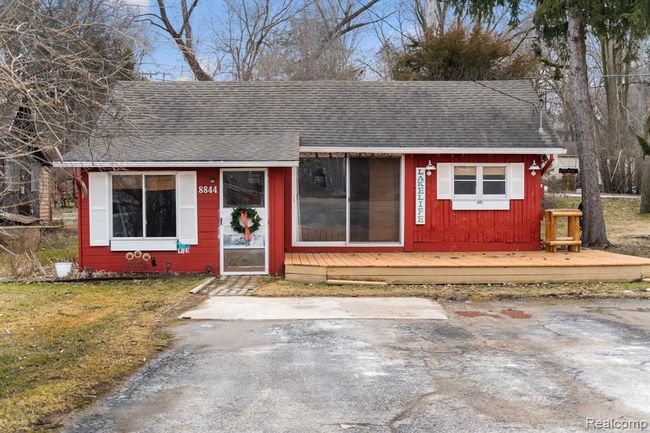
63	269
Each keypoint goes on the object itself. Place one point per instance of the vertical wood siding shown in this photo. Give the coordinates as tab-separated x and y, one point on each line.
449	230
276	220
478	230
206	252
445	229
202	255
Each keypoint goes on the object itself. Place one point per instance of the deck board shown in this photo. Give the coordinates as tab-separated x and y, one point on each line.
468	267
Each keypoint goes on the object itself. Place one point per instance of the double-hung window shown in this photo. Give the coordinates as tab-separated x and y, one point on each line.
149	211
144	206
477	186
480	181
494	181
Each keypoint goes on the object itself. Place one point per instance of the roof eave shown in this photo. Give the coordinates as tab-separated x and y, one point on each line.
436	150
174	164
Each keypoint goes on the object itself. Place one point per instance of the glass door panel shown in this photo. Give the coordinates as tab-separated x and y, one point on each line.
322	202
243	253
374	200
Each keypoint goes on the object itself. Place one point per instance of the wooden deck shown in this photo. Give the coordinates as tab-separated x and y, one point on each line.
466	268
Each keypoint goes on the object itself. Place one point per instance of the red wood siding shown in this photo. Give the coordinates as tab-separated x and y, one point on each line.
202	255
276	220
445	229
206	252
448	230
479	230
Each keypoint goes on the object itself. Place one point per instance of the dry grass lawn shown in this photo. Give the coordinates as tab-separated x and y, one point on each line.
62	344
462	292
627	229
55	245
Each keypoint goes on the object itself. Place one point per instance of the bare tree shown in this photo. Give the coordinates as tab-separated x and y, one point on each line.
644	143
58	61
256	32
305	52
249	28
181	34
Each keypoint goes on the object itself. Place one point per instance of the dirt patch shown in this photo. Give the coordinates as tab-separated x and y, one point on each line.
515	314
472	313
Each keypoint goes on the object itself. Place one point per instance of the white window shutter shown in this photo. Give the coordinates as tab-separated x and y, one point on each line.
444	181
517	181
188	225
98	196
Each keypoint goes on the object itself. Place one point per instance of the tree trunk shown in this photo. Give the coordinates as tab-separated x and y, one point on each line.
645	186
594	222
193	63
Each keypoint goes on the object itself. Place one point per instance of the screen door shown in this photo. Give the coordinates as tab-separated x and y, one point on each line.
244	193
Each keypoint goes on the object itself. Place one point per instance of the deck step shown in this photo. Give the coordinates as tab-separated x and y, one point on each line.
359	282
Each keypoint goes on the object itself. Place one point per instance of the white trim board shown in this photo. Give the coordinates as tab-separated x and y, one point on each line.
437	150
175	164
319	149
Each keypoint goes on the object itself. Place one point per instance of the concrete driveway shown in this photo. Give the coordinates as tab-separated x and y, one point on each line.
492	367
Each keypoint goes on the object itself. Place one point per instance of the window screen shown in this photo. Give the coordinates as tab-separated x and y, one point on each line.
322	199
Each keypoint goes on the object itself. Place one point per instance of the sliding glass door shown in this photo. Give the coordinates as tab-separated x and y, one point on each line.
348	200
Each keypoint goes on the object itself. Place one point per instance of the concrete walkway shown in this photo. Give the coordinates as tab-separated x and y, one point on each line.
257	308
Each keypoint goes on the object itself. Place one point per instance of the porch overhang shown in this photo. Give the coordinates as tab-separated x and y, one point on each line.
432	150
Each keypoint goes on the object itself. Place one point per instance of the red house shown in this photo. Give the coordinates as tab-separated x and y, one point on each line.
228	177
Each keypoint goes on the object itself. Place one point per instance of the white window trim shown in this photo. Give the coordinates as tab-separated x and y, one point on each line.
295	223
480	201
167	243
222	219
479	182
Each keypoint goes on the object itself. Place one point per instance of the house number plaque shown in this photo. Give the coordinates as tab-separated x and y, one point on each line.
207	189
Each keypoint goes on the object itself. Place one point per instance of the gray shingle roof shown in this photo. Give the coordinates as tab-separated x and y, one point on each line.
266	121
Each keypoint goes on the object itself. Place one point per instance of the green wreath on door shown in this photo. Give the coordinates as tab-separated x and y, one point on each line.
254	220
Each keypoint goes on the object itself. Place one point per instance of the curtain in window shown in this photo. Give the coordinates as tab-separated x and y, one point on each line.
374	199
160	205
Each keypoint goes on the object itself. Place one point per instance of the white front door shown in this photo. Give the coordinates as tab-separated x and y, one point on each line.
243	196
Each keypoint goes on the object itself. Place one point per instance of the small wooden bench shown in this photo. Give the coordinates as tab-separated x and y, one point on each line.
572	239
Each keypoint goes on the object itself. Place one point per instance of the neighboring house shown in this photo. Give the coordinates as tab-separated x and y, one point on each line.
25	188
566	164
326	166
